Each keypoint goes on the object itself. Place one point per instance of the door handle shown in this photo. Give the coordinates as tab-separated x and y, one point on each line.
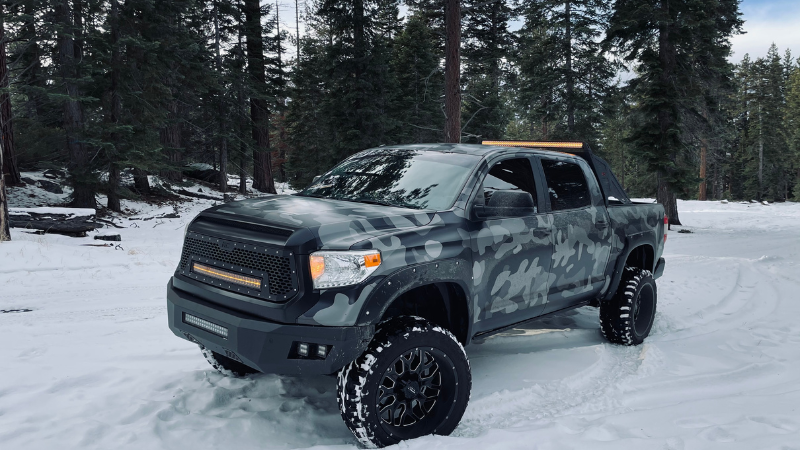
602	224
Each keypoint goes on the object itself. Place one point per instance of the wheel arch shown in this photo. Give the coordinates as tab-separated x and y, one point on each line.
639	252
435	291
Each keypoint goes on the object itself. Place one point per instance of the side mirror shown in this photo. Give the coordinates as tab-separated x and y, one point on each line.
507	203
316	178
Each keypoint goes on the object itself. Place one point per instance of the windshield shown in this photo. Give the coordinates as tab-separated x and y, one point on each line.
405	178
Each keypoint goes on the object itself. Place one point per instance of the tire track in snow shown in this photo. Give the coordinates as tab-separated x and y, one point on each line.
743	303
593	390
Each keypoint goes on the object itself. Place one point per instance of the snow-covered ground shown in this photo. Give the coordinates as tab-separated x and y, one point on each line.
93	364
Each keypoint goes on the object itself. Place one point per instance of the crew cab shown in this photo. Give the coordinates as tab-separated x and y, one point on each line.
388	265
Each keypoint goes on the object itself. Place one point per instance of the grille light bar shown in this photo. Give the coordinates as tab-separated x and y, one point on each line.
544	144
224	275
205	325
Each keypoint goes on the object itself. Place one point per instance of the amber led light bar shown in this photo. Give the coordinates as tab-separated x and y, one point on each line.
224	275
544	144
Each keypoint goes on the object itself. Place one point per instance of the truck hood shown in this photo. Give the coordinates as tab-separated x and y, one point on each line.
334	224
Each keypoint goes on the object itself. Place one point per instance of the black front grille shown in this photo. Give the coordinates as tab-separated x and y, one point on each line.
277	267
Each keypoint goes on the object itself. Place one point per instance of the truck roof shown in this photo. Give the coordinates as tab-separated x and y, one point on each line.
468	149
608	182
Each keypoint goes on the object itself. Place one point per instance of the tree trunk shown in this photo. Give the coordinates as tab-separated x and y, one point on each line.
5	232
259	109
669	200
113	188
452	72
667	56
81	176
9	165
242	171
760	165
170	139
297	27
116	111
570	78
140	181
703	151
223	145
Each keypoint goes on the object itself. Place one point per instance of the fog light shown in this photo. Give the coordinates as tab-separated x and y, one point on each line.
322	351
302	349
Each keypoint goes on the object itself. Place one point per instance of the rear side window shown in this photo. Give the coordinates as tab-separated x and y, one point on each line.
511	174
566	185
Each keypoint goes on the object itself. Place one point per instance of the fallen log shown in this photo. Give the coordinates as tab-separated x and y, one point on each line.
196	195
46	222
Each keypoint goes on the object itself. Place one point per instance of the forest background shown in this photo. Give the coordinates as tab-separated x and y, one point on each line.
118	91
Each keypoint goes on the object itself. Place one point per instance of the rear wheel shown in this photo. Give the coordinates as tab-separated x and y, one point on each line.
413	380
227	366
628	317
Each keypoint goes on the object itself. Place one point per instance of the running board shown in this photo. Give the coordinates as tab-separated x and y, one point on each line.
480	337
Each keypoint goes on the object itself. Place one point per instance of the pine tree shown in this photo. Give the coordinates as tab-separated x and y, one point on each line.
343	84
767	166
665	38
259	102
9	165
793	124
565	75
487	44
417	105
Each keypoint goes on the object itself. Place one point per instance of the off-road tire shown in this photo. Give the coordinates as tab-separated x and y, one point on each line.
400	343
628	316
227	366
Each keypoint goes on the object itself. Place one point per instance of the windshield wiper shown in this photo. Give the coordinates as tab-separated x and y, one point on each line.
370	201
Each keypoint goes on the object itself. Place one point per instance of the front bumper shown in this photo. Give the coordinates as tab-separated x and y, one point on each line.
264	345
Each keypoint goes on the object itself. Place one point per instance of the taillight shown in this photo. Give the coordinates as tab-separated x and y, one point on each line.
666	223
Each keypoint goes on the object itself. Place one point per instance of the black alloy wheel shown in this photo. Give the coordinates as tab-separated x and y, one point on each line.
412	380
411	387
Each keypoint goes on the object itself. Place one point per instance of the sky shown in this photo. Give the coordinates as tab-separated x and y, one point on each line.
768	21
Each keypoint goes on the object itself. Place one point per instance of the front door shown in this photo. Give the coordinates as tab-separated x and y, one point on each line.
581	235
511	254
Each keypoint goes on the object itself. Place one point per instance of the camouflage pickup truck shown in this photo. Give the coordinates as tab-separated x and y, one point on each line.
387	266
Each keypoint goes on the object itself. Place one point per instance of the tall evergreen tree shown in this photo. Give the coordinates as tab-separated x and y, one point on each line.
9	165
343	82
417	105
564	73
665	37
487	45
793	124
259	101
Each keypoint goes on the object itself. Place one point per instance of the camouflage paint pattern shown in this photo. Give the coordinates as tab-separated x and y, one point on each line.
510	269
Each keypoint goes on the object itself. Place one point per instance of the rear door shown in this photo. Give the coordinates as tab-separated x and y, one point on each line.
581	235
511	254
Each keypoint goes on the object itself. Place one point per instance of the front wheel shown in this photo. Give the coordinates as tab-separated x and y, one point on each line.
628	317
412	380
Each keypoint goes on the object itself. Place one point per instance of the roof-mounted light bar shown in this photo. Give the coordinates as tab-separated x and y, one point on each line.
537	144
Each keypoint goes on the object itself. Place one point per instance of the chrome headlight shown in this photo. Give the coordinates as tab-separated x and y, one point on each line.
334	269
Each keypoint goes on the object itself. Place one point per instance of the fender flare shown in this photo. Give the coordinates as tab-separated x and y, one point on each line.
632	242
455	271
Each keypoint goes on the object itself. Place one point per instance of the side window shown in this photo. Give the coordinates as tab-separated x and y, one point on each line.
566	185
510	174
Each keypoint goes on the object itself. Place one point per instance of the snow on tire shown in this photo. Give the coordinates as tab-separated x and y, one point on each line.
227	366
412	380
628	316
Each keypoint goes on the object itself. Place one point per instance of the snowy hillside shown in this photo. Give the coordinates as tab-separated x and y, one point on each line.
93	364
